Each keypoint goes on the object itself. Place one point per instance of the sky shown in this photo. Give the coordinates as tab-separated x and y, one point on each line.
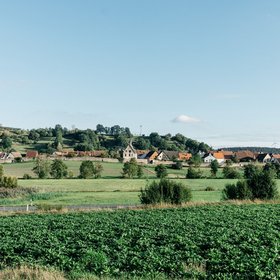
206	69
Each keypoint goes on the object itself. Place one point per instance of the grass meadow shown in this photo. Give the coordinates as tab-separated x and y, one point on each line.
110	189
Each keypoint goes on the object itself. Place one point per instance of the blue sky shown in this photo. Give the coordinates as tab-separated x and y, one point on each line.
206	69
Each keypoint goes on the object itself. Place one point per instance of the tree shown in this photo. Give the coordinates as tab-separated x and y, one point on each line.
193	174
230	173
161	171
140	172
195	160
130	168
97	170
41	168
86	169
214	165
6	142
259	185
1	171
165	191
100	129
58	169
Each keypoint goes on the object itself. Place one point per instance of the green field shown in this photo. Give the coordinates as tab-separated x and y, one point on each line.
205	242
110	189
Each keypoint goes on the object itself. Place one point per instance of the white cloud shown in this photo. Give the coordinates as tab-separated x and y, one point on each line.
185	119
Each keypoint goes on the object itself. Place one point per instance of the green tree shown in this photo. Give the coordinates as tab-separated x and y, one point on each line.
97	170
130	168
86	169
140	172
41	168
6	142
193	173
259	185
231	173
195	160
214	166
161	171
1	171
58	169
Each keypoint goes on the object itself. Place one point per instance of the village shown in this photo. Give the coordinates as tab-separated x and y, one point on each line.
152	157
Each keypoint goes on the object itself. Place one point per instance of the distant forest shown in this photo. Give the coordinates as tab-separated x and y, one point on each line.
268	150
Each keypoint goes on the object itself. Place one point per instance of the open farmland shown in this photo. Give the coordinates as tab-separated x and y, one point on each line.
213	242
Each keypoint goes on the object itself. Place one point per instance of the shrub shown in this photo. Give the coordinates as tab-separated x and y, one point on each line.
177	165
231	173
86	169
209	189
8	182
161	171
240	190
165	191
193	174
260	185
26	176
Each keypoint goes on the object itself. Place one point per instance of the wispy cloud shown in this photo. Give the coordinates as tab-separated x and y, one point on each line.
185	119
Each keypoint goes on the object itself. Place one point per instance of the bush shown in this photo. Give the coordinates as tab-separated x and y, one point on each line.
238	191
161	171
178	165
8	182
165	191
26	176
260	185
231	173
193	174
209	189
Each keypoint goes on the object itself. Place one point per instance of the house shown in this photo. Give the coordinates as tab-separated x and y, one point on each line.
208	158
184	156
168	155
14	156
264	158
141	154
32	154
228	155
275	158
245	156
219	156
151	156
129	152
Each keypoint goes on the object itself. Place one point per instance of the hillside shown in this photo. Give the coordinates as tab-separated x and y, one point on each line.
111	139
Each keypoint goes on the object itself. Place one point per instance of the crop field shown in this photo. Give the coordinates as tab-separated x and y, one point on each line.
213	242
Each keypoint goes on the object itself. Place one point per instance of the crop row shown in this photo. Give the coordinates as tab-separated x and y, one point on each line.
213	242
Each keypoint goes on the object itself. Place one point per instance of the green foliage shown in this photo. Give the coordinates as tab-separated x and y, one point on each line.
58	169
166	191
193	173
195	160
26	176
214	165
6	142
1	171
130	169
86	169
161	171
240	190
231	173
140	172
8	182
260	184
273	167
206	242
41	168
178	165
97	170
249	170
